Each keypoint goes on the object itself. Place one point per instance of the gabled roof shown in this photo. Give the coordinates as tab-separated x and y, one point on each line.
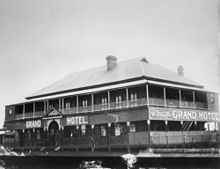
124	71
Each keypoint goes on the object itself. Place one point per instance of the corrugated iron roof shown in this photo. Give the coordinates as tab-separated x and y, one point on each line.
125	70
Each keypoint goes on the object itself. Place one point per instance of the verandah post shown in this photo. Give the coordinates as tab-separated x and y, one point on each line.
164	97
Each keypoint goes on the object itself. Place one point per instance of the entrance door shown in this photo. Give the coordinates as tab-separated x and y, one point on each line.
53	133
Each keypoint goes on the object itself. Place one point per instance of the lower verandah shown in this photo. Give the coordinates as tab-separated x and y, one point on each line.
127	135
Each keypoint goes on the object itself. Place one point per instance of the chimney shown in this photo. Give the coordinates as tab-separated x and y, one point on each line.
180	70
111	62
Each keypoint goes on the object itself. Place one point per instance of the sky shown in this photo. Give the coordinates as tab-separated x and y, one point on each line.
43	41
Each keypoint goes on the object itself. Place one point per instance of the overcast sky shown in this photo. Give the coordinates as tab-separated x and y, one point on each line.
43	41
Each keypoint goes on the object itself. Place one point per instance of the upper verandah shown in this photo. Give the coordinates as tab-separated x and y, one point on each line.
114	73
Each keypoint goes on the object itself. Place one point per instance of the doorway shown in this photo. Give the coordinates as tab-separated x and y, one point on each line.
53	133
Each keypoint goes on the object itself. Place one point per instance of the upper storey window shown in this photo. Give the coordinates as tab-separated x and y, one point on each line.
212	98
67	105
85	103
133	99
118	100
104	103
133	96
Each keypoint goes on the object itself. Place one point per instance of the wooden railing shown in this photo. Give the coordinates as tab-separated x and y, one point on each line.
138	138
156	101
180	138
28	115
154	139
201	105
84	109
99	107
118	140
187	104
38	113
19	116
120	105
70	110
172	103
77	141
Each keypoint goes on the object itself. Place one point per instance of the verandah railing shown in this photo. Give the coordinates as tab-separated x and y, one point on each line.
154	139
119	105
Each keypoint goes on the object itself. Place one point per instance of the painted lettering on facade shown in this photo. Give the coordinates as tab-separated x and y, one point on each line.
33	124
78	120
182	115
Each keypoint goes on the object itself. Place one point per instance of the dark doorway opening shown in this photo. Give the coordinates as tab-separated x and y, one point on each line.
53	133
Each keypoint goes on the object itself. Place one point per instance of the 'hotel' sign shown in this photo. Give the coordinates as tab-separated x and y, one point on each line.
77	120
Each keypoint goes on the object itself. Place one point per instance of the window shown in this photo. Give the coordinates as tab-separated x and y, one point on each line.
133	99
84	103
118	98
132	128
10	112
104	103
133	96
212	98
83	130
118	101
118	130
67	106
103	131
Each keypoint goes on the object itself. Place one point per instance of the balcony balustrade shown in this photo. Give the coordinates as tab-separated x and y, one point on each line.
172	103
28	115
70	110
138	102
120	105
84	109
38	113
19	116
201	105
99	107
118	140
157	139
187	104
156	101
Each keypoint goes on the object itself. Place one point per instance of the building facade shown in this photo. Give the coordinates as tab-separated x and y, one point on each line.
129	106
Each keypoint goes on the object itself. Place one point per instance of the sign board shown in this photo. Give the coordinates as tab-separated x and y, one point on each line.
182	114
77	120
33	124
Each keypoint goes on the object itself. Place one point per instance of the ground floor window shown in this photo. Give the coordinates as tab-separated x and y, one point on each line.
103	131
118	130
132	128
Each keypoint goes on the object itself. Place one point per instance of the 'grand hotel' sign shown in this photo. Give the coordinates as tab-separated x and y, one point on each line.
182	115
